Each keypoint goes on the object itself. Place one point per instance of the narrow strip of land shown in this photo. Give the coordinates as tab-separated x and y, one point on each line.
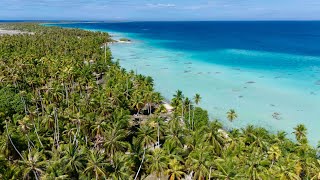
12	32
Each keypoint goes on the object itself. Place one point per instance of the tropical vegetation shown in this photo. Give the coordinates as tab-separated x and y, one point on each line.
69	111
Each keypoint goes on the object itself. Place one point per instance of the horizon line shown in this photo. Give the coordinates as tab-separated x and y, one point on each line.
127	20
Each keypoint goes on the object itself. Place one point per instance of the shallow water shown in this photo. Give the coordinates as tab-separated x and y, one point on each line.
259	69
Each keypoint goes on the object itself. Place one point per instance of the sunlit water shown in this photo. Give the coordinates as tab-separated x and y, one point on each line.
269	72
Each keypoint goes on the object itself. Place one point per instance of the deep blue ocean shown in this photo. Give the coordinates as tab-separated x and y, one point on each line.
289	37
268	71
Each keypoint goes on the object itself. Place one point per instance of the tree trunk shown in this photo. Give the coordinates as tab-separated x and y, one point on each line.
56	129
127	93
143	156
15	148
42	108
29	143
182	111
24	105
158	134
105	52
150	108
29	148
67	95
190	116
193	118
35	175
35	130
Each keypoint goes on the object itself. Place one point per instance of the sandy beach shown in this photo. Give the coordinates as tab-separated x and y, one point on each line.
12	32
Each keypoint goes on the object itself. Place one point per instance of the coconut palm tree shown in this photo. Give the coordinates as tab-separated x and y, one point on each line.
259	138
115	141
73	158
187	106
315	170
286	169
177	98
98	129
197	99
175	170
159	126
121	167
11	142
198	162
232	115
227	169
95	166
137	102
300	132
213	137
4	145
54	166
145	138
157	162
33	163
274	154
175	134
253	169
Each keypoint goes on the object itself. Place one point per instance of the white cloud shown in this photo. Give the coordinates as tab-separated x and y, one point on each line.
159	5
209	4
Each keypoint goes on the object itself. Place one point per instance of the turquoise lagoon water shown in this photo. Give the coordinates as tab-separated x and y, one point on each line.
256	68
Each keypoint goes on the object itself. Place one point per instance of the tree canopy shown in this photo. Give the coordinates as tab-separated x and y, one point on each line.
68	111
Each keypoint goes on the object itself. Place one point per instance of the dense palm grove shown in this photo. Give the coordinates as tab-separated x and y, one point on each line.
67	111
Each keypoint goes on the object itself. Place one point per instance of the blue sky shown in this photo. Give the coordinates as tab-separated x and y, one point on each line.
160	10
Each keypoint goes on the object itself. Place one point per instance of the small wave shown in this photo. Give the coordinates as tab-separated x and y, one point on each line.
271	54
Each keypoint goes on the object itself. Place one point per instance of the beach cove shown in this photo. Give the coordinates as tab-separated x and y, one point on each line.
273	87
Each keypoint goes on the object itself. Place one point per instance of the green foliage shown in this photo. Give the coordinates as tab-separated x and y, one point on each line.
69	112
11	101
124	40
232	115
200	118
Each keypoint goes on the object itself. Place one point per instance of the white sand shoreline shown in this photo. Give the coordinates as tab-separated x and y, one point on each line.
12	32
